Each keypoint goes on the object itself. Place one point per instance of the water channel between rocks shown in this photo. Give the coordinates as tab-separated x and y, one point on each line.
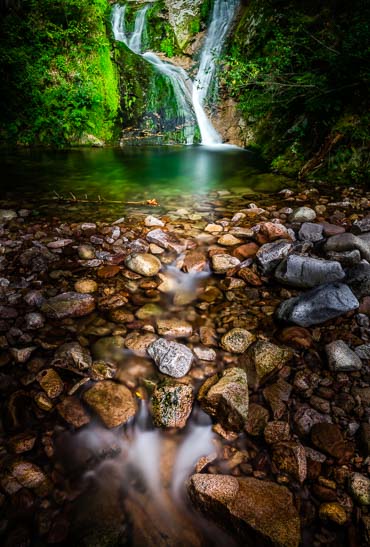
149	336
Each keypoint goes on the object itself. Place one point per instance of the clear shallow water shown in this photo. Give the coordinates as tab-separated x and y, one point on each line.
173	173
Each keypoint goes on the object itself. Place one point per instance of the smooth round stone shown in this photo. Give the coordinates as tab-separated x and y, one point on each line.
153	221
143	264
302	214
360	488
7	215
228	240
221	263
334	512
113	403
341	357
86	286
69	304
237	340
86	252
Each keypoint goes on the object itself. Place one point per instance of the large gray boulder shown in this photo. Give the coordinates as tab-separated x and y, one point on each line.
318	305
306	272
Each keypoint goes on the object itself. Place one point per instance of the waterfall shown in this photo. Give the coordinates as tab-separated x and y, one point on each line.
222	17
190	97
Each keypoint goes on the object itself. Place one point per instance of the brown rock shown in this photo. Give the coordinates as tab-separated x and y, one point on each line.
297	337
262	360
107	272
73	412
71	304
172	404
27	474
272	231
276	432
277	395
248	275
113	402
51	382
290	458
257	512
248	250
328	438
194	261
258	417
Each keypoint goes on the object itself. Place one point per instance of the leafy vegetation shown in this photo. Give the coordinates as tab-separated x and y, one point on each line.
300	72
58	85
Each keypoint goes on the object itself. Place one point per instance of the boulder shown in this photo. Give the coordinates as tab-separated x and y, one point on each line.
306	272
256	512
318	305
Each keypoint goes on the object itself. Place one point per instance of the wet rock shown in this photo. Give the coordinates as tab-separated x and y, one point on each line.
297	337
311	232
102	371
194	261
228	240
263	359
149	311
302	214
174	328
150	221
22	355
328	438
248	250
24	442
172	404
365	438
72	356
204	353
37	259
358	279
361	226
34	321
109	349
165	240
237	340
362	393
51	382
276	432
6	215
253	510
318	305
213	228
360	488
139	343
69	304
86	286
86	252
334	512
72	411
346	258
222	263
171	358
271	254
113	402
348	242
143	264
106	272
272	231
306	272
277	395
341	358
290	458
225	397
258	416
27	474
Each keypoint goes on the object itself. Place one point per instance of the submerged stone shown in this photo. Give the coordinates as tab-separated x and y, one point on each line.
69	304
263	359
237	340
318	305
143	264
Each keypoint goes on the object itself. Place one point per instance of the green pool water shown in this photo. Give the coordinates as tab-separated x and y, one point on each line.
132	173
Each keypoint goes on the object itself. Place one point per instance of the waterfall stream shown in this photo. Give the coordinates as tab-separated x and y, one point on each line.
190	97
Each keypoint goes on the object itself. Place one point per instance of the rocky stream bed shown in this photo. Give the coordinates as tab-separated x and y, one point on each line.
254	316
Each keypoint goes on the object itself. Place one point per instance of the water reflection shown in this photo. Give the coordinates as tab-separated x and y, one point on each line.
123	174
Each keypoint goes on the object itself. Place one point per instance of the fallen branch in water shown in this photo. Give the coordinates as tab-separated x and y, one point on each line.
74	199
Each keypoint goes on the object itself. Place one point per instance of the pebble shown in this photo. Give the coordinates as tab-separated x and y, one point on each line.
334	512
174	328
302	214
143	264
172	358
70	304
86	252
341	358
153	221
222	263
360	488
86	286
51	382
237	340
311	232
172	404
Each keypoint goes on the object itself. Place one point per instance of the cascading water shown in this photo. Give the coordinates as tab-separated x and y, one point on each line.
190	98
222	17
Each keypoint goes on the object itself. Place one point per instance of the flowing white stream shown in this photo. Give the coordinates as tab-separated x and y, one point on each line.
190	97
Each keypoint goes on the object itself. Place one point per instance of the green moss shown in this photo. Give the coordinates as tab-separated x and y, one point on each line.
300	73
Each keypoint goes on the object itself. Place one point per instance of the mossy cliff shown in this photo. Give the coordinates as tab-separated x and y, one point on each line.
300	74
58	84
